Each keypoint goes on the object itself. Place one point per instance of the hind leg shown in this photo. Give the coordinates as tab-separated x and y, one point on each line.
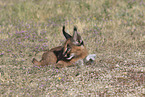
62	64
35	62
39	63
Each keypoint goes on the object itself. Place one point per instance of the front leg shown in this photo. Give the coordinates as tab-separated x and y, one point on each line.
62	64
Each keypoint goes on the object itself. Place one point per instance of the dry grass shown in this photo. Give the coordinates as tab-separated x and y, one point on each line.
114	30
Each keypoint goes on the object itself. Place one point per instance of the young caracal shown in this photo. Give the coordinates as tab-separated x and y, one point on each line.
66	55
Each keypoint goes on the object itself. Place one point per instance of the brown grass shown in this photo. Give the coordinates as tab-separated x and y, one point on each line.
111	29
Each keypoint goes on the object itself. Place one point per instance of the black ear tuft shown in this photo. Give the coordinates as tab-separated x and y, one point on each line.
63	28
82	43
67	36
75	28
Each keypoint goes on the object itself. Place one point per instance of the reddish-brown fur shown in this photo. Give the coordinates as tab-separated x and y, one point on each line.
61	56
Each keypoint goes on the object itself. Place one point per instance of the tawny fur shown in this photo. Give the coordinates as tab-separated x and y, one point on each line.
50	58
47	58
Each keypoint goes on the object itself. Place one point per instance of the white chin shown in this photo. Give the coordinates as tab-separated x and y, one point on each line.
71	56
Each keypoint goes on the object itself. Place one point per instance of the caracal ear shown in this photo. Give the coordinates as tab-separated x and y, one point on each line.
77	40
67	36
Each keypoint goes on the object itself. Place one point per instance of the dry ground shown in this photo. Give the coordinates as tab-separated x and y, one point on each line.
114	30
